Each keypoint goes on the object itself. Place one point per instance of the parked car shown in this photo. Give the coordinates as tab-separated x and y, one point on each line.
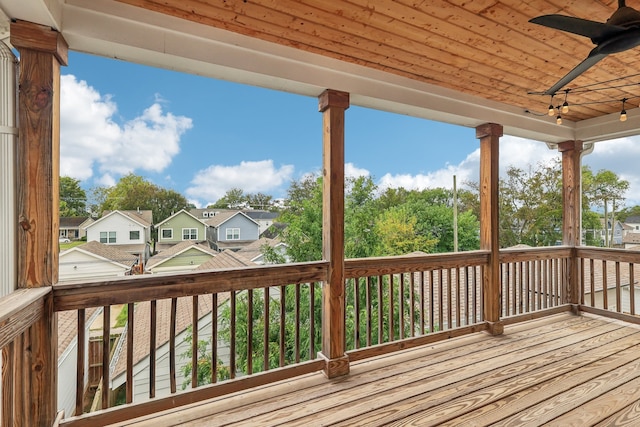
64	240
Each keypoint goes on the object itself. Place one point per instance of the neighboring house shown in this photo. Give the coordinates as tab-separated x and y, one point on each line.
179	227
68	356
231	230
95	260
73	227
129	230
265	219
253	251
184	256
633	222
631	241
141	328
616	238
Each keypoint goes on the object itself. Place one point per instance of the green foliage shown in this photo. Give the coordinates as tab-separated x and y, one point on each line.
203	361
135	192
73	199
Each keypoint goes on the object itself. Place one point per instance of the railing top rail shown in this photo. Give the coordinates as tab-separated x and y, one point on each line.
533	254
19	310
608	254
74	296
361	267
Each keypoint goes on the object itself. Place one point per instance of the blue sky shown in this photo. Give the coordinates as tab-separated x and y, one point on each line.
201	136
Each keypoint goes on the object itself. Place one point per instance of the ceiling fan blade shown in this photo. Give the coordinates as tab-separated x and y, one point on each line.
579	69
596	31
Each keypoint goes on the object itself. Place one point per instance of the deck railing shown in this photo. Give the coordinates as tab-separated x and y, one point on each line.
608	279
247	327
533	279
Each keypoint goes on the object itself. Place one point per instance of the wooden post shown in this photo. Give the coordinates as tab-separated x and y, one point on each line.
571	214
489	135
42	51
333	104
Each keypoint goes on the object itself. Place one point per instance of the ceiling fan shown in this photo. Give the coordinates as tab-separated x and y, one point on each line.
621	32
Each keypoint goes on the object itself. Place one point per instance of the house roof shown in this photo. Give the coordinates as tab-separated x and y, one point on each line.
631	238
261	215
178	213
68	326
254	249
72	221
143	218
176	250
465	63
110	253
226	259
223	217
633	219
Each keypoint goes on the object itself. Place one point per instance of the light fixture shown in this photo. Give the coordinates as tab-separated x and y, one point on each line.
551	108
559	120
565	105
623	113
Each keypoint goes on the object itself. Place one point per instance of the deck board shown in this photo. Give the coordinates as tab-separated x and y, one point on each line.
558	370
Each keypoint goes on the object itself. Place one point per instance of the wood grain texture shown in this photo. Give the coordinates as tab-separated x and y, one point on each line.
563	369
482	49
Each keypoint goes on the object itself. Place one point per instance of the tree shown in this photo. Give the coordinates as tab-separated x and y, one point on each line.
73	199
603	188
135	192
233	199
398	235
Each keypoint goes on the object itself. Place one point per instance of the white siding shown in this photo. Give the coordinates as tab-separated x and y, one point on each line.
67	379
76	265
122	225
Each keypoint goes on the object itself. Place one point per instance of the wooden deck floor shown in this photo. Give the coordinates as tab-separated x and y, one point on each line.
561	370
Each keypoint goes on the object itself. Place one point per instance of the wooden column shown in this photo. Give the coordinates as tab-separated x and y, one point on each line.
571	213
42	51
333	104
489	135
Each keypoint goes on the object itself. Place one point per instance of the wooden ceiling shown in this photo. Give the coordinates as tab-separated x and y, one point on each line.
484	48
465	62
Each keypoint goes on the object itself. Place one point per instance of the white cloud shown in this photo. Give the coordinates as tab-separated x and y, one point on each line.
351	170
90	139
212	183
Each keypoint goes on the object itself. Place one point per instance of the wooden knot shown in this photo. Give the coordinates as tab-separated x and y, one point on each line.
24	223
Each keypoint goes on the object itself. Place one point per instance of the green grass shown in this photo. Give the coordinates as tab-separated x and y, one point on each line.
65	246
121	320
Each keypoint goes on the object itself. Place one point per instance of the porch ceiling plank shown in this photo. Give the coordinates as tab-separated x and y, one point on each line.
19	310
147	288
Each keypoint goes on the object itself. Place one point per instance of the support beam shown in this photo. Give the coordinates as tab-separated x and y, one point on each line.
489	135
571	213
42	51
333	104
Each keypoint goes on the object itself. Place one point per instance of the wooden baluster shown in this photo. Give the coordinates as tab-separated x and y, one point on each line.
172	344
412	303
380	310
467	295
232	344
80	374
265	340
152	349
106	352
194	342
440	301
369	311
214	338
356	309
605	286
250	332
449	300
401	306
476	286
282	324
297	323
391	331
618	289
504	284
423	304
632	291
130	323
432	304
9	385
312	320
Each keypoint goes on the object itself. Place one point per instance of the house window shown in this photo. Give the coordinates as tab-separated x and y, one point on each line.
134	235
166	233
189	234
233	234
107	237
